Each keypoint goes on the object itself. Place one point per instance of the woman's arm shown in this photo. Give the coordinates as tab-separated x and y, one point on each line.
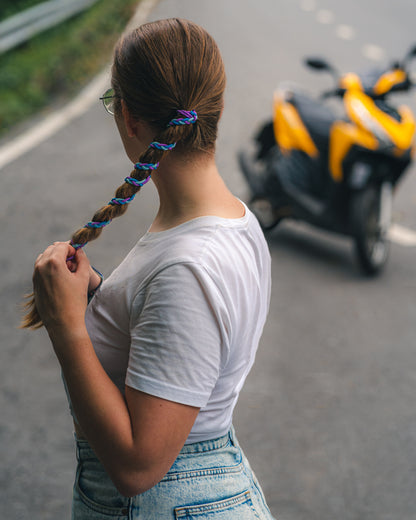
138	437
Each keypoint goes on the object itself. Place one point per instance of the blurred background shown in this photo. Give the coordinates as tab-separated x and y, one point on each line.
327	415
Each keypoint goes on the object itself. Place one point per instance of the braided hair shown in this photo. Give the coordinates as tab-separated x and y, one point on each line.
158	69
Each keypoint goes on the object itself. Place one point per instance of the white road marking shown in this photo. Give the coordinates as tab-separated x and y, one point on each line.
308	5
402	236
54	122
324	16
51	124
373	52
345	32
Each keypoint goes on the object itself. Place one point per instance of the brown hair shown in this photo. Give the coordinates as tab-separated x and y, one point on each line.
159	68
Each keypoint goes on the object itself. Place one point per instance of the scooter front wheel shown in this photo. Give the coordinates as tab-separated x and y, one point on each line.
371	219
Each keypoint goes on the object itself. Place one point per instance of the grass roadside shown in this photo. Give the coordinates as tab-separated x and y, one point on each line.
11	7
59	62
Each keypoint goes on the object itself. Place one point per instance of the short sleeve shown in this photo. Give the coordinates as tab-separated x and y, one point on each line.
177	336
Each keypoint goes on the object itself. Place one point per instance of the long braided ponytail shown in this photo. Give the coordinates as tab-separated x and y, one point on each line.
141	174
157	68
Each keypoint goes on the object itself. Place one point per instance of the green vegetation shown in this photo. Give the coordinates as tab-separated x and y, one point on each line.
60	61
11	7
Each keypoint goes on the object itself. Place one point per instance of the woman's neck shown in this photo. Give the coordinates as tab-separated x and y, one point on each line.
191	187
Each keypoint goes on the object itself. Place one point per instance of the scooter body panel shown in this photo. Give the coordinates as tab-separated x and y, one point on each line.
289	129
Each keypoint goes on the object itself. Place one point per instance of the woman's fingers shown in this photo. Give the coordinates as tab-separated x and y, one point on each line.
61	287
59	252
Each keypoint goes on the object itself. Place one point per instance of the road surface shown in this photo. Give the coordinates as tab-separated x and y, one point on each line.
327	417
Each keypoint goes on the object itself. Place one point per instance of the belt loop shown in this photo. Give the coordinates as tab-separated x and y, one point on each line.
231	436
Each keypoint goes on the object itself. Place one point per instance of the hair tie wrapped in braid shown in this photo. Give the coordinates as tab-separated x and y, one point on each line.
146	166
118	204
189	117
119	201
135	182
161	146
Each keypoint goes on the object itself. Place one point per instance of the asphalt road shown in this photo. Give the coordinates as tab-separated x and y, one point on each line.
327	417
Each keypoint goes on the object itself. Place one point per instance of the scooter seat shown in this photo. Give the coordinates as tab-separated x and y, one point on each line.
317	118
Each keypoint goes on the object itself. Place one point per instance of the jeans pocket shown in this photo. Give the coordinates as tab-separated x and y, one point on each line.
238	507
95	496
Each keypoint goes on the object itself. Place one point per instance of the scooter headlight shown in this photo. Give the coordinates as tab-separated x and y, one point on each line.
369	123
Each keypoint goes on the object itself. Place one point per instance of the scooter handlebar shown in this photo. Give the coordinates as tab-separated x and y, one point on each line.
337	92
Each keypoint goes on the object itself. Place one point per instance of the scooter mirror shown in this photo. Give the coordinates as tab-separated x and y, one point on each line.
318	64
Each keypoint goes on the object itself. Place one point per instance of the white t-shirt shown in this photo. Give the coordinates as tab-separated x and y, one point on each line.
181	317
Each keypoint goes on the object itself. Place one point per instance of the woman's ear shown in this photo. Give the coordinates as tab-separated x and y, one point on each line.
130	123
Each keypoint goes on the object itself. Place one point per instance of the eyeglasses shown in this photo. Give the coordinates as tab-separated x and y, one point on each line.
108	101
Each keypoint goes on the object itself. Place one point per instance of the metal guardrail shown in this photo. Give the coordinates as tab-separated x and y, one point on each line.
21	27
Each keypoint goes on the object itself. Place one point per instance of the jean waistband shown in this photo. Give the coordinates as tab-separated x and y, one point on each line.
209	445
197	447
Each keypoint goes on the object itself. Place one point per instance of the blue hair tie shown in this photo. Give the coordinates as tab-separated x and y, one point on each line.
97	224
116	201
146	166
76	247
135	182
189	117
161	146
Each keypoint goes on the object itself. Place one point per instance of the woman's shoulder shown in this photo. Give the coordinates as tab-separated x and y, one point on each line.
210	243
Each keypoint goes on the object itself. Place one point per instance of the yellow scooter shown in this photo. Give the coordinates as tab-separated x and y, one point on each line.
337	173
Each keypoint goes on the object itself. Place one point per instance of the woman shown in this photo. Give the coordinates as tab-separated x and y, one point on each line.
154	364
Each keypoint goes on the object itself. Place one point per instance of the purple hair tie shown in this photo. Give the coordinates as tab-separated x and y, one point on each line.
96	225
162	146
189	117
76	247
146	166
117	201
135	182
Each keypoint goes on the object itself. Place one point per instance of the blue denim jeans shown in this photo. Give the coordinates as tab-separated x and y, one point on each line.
209	480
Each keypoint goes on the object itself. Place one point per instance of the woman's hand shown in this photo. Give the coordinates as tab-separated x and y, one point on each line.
61	286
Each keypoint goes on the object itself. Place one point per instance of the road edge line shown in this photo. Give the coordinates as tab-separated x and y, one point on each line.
26	141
